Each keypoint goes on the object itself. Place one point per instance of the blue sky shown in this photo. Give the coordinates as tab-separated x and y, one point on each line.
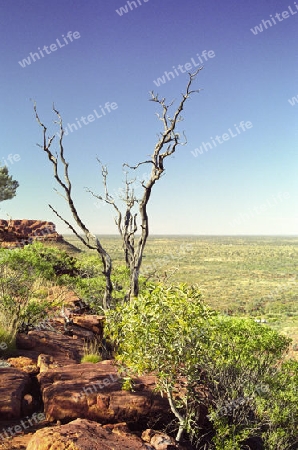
246	184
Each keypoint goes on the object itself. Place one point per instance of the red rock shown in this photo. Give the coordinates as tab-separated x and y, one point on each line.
25	364
92	323
14	386
20	232
94	391
61	347
83	434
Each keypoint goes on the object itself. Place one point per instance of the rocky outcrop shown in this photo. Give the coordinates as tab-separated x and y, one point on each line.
17	233
85	435
59	345
62	348
14	386
94	391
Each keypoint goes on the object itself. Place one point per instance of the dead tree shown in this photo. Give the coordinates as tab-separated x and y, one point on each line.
89	240
126	222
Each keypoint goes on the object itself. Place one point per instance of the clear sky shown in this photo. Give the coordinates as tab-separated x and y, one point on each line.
238	172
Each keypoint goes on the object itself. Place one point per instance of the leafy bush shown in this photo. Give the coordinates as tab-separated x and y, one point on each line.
224	367
161	331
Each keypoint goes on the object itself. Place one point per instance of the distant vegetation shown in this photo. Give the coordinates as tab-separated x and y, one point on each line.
244	276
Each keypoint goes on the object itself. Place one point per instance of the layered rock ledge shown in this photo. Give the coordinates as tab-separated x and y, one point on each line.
20	232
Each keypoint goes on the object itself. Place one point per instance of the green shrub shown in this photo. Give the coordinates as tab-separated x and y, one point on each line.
162	331
229	366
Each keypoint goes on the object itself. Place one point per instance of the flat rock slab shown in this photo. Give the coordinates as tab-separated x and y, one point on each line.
94	391
14	385
61	347
83	434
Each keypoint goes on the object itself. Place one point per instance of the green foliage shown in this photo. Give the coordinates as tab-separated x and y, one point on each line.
162	331
21	271
89	285
17	276
280	409
91	352
229	366
127	384
159	323
7	342
34	312
91	359
51	262
8	186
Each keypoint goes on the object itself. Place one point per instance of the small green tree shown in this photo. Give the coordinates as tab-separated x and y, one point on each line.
224	367
163	330
8	186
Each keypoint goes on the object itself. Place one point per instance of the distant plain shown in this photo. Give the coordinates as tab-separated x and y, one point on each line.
251	276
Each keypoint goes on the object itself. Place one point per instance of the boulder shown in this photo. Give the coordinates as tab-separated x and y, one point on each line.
82	434
159	440
15	384
94	391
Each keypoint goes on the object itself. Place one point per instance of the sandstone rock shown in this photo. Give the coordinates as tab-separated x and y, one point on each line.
14	386
46	362
83	434
21	232
25	364
62	348
92	323
93	391
158	440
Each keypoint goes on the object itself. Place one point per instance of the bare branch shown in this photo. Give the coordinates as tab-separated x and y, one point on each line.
73	229
66	186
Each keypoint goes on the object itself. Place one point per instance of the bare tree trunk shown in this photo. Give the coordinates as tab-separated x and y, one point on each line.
127	226
89	240
165	147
